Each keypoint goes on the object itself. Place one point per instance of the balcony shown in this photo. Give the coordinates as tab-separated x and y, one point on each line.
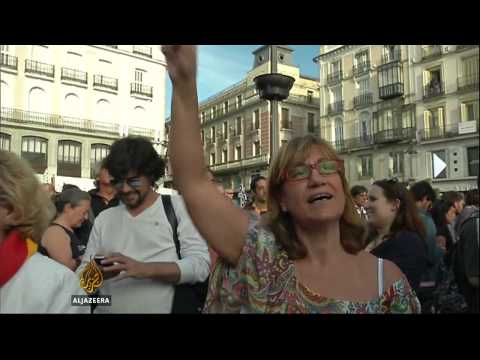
390	91
468	83
466	47
74	75
431	51
37	67
344	145
302	99
234	165
363	100
334	78
433	89
142	50
148	133
9	61
391	56
393	135
56	121
335	108
140	89
105	81
361	68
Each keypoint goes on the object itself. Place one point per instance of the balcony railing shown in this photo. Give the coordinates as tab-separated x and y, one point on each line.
37	67
431	51
361	68
391	56
468	83
237	164
393	135
343	145
335	108
391	90
142	50
137	88
363	100
433	89
74	75
105	81
302	99
9	61
334	78
466	47
439	132
56	121
148	133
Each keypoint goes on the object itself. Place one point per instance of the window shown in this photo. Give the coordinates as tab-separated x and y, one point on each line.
309	96
5	142
433	82
238	152
310	122
364	126
439	154
212	134
396	163
472	155
225	106
238	126
256	119
285	118
34	150
365	166
139	75
471	66
470	110
364	86
98	153
335	67
338	129
336	94
256	148
239	100
203	117
433	122
225	130
361	58
389	75
212	159
4	48
214	112
69	158
224	156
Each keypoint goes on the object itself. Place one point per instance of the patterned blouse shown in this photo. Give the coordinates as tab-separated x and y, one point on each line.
264	282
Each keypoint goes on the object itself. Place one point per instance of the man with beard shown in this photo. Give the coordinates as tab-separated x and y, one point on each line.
141	267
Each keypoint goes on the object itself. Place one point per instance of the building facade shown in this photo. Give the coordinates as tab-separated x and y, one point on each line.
404	111
62	106
235	123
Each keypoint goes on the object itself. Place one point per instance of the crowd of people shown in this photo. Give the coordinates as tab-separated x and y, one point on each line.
306	242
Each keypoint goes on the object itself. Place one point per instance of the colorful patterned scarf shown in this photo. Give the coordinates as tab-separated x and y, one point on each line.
14	251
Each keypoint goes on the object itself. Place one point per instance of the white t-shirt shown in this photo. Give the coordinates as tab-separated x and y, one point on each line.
41	286
147	237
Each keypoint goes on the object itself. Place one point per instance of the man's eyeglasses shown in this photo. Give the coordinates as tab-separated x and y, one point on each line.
324	167
134	182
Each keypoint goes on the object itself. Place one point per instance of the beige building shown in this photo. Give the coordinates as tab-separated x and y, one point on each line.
62	106
236	122
405	111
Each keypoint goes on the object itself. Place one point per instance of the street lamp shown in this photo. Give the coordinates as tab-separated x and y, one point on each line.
274	87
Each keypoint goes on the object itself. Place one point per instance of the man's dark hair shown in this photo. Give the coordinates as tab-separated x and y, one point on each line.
452	196
255	180
137	154
472	198
421	189
357	190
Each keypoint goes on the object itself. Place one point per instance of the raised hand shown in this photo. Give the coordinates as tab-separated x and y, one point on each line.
181	62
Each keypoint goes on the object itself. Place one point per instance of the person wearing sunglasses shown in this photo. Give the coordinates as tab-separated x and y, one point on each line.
141	268
306	255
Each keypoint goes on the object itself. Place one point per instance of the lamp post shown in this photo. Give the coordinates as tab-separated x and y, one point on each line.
274	87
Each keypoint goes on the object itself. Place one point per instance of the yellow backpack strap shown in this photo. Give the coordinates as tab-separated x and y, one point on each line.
32	247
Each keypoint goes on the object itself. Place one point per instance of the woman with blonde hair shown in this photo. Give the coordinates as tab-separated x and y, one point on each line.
29	282
307	256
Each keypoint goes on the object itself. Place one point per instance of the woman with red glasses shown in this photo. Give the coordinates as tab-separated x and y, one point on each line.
307	255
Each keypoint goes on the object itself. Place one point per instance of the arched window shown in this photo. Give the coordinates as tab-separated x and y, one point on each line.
103	111
34	150
338	129
5	140
97	154
37	100
69	158
72	106
139	116
364	127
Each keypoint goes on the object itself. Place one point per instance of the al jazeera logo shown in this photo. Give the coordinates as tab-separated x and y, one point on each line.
91	279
